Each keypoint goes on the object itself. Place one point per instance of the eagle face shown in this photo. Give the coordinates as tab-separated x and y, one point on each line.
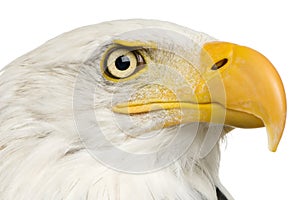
160	69
130	109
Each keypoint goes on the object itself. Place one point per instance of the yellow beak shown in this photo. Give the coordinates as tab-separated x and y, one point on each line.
239	87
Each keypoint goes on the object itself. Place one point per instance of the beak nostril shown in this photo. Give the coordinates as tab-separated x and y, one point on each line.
219	64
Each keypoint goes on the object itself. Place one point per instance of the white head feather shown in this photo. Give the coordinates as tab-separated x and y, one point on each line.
43	153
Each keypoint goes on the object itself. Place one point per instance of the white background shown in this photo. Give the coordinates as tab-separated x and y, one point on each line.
248	169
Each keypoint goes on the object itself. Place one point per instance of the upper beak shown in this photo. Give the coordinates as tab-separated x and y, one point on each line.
239	87
251	85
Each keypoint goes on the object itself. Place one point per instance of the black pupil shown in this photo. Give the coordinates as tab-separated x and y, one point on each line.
122	63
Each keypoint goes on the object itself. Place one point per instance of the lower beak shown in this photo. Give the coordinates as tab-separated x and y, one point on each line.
244	88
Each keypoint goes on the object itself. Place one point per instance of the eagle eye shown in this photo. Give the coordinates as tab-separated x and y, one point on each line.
122	63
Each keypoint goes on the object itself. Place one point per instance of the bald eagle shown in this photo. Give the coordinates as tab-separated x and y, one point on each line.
130	109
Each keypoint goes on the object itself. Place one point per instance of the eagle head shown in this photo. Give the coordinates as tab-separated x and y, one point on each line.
131	109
